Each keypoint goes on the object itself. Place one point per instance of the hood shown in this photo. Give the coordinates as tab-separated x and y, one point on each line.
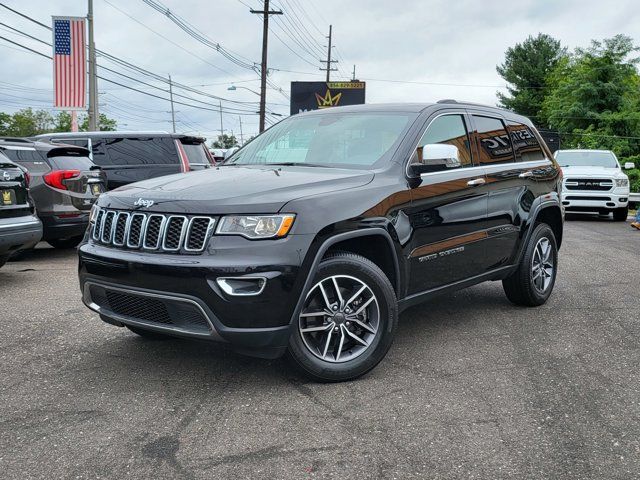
232	189
591	172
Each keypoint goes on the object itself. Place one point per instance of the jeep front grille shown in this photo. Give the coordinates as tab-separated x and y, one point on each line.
589	184
152	231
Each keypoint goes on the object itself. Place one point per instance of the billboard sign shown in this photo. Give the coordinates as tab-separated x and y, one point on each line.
316	95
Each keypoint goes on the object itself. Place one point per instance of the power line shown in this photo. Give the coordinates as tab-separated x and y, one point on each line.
128	86
129	65
167	39
201	37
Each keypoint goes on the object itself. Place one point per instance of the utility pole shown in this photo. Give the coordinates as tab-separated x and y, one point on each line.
173	113
94	115
265	12
241	139
221	127
329	61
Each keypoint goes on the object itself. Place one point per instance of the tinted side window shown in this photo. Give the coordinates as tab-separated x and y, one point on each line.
30	159
196	153
525	144
450	129
141	151
493	141
99	152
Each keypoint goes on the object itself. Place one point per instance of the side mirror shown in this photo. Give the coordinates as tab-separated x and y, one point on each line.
435	157
629	165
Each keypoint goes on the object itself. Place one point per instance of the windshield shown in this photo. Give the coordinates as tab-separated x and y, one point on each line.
345	140
586	159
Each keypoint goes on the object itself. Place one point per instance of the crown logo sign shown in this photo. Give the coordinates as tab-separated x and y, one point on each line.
328	100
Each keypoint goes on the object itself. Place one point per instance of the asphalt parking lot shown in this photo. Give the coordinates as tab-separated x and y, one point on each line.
472	387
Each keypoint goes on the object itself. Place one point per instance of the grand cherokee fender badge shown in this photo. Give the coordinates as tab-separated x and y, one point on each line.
141	202
444	253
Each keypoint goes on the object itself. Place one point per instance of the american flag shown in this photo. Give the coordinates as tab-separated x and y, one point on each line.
69	63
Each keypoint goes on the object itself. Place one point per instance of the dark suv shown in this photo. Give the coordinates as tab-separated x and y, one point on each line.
128	157
64	186
19	226
314	236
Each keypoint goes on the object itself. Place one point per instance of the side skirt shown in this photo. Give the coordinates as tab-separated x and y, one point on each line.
497	274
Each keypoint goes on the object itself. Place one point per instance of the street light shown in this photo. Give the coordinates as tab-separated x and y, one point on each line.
233	88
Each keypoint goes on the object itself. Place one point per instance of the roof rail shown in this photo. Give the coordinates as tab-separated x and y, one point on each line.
447	100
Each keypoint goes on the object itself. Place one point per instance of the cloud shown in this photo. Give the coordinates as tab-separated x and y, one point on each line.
448	49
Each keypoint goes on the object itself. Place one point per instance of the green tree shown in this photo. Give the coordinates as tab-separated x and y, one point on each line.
5	122
594	98
62	122
225	141
526	68
105	124
28	122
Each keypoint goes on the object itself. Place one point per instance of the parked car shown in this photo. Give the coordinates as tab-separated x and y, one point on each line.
315	235
20	228
594	182
218	154
128	157
64	185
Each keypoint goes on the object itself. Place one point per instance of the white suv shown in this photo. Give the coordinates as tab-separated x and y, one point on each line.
594	182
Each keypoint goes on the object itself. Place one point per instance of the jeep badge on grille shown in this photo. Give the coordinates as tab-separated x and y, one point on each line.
141	202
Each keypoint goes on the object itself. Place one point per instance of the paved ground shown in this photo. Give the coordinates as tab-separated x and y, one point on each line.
472	388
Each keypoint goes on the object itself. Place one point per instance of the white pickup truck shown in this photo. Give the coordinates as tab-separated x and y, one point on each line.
594	182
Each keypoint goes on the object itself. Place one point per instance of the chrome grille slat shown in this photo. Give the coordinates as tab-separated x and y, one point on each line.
97	229
120	228
198	232
106	233
154	232
175	230
136	229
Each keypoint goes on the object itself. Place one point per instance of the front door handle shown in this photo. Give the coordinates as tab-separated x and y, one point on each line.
476	182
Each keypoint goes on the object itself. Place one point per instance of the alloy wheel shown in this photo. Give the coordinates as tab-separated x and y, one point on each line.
542	265
340	318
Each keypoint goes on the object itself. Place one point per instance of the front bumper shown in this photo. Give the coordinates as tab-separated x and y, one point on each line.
184	293
595	201
19	233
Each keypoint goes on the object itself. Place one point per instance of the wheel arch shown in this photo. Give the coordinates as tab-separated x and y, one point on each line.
549	212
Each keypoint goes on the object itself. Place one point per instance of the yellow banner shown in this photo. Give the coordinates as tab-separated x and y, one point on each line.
345	85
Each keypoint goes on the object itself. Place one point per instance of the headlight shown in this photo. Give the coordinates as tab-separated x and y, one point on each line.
256	226
93	213
622	182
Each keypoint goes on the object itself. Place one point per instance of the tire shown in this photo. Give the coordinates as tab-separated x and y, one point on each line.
329	355
3	260
64	243
521	287
621	214
148	334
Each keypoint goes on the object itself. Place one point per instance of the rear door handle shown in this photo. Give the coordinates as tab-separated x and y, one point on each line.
527	174
476	182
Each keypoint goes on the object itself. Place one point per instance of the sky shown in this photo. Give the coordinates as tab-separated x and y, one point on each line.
410	51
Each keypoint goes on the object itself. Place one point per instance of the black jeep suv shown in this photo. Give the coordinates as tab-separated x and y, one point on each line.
314	236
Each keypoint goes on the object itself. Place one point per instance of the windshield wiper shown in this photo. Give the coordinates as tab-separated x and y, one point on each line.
293	164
